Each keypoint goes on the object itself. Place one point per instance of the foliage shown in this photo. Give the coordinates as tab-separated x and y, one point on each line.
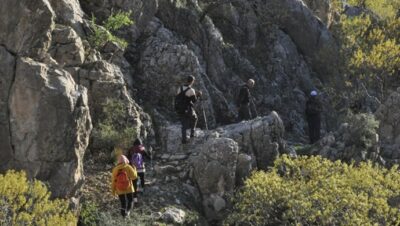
24	202
114	129
316	191
370	45
363	128
102	35
89	214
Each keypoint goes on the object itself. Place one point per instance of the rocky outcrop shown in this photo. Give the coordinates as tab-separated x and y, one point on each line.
214	172
389	117
50	125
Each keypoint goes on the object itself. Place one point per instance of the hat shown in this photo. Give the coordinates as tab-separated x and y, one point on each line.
313	93
123	159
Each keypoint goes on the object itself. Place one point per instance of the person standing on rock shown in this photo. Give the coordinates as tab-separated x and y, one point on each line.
244	99
136	155
313	114
185	99
121	184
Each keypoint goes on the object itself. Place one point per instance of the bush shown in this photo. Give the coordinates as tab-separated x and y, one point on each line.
89	214
102	35
316	191
24	202
114	128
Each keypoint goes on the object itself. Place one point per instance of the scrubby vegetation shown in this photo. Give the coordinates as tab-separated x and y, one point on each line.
316	191
369	43
113	128
103	34
25	202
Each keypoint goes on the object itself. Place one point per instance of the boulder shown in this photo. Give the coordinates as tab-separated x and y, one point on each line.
174	215
214	172
50	125
69	12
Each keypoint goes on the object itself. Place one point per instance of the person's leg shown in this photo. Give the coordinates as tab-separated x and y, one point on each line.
184	128
193	123
310	132
129	198
122	199
141	175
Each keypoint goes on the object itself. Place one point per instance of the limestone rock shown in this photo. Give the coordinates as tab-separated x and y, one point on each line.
69	12
50	125
26	26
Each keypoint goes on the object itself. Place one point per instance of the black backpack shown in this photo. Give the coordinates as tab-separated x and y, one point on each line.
181	105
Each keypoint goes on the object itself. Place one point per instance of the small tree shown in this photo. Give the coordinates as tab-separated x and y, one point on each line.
102	35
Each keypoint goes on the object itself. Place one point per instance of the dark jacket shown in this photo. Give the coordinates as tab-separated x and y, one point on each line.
244	96
313	107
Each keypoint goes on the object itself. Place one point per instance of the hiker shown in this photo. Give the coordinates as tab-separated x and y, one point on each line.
184	105
136	156
121	184
243	101
313	114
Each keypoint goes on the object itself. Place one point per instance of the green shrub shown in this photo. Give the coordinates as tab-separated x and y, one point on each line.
24	202
316	191
102	35
113	128
89	214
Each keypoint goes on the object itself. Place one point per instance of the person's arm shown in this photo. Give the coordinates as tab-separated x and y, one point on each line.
192	95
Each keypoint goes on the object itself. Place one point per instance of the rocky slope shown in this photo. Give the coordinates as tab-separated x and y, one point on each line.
53	85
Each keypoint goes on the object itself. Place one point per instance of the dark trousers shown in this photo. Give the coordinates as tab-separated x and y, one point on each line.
188	121
126	203
314	128
141	175
244	112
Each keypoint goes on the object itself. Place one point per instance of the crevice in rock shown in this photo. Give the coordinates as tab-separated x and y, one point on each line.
8	103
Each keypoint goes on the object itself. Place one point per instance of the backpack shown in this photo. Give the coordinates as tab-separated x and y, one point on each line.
123	181
181	105
137	160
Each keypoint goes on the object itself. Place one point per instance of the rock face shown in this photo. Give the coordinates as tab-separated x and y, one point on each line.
388	115
50	125
26	27
223	45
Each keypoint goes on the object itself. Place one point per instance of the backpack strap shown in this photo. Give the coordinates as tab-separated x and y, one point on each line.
184	91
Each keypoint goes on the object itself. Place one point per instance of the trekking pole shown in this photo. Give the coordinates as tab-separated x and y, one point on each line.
204	114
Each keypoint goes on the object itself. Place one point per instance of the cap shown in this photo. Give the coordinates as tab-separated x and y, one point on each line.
313	93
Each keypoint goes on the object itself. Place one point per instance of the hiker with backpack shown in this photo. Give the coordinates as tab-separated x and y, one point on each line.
121	184
185	99
313	115
136	156
243	101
